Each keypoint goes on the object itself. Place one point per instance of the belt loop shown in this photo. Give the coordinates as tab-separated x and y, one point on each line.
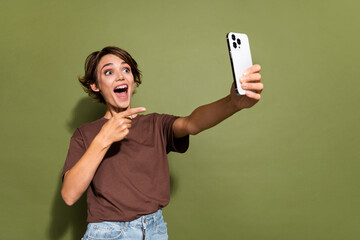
125	225
155	218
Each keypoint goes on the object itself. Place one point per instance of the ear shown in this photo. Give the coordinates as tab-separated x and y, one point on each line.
94	87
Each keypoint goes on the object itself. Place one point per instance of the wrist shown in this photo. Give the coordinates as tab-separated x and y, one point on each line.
234	106
101	141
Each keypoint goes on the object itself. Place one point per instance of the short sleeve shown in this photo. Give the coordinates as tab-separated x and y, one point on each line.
75	152
173	144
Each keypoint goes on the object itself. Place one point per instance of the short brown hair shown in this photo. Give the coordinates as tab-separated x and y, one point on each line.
92	62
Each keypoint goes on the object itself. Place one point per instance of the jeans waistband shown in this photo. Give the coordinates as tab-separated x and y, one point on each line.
146	219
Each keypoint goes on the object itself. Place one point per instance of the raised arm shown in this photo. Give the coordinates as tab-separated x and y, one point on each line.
209	115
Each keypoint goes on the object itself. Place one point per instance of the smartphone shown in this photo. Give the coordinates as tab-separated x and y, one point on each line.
240	57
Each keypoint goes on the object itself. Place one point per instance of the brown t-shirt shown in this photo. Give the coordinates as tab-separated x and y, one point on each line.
133	178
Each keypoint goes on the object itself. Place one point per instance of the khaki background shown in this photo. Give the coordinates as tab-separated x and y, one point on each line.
286	169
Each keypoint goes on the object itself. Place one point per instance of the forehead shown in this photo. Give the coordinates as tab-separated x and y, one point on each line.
110	58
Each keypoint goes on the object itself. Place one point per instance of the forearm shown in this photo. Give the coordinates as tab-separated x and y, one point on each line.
78	178
205	117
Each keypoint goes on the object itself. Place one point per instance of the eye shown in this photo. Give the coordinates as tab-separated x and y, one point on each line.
126	70
108	72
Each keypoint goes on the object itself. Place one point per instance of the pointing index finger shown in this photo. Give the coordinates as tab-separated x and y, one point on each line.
132	111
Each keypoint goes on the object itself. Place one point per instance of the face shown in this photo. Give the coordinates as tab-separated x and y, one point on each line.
115	82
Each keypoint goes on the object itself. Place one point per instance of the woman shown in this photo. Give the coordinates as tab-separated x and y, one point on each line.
121	159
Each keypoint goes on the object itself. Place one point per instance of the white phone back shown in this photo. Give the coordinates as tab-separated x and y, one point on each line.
240	57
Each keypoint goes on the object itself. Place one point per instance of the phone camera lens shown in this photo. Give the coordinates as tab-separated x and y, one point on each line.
234	44
233	37
238	41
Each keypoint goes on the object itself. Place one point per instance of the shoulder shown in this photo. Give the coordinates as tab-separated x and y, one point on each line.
93	124
157	118
89	127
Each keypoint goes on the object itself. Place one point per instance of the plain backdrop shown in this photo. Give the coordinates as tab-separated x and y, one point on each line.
286	169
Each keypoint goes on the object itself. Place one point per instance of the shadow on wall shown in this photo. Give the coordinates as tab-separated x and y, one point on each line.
63	217
85	111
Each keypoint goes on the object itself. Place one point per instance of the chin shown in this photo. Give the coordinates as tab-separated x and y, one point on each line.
123	105
118	106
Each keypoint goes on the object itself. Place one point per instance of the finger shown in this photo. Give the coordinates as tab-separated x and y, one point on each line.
253	69
121	120
124	133
122	128
253	86
124	120
125	126
254	77
253	95
132	111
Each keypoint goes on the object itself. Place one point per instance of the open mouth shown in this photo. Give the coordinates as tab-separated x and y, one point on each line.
121	91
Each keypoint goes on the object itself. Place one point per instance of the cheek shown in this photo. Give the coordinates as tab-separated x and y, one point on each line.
103	84
132	81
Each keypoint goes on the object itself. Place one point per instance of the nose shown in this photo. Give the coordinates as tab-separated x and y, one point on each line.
120	76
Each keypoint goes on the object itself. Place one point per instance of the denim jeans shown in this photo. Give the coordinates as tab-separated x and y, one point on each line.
147	227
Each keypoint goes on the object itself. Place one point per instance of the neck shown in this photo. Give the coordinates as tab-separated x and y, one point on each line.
111	111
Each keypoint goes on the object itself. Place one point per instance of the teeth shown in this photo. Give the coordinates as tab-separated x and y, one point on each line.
121	87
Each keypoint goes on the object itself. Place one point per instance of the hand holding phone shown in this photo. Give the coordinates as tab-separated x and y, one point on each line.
240	57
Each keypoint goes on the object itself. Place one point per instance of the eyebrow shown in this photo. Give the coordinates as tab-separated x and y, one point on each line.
112	64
